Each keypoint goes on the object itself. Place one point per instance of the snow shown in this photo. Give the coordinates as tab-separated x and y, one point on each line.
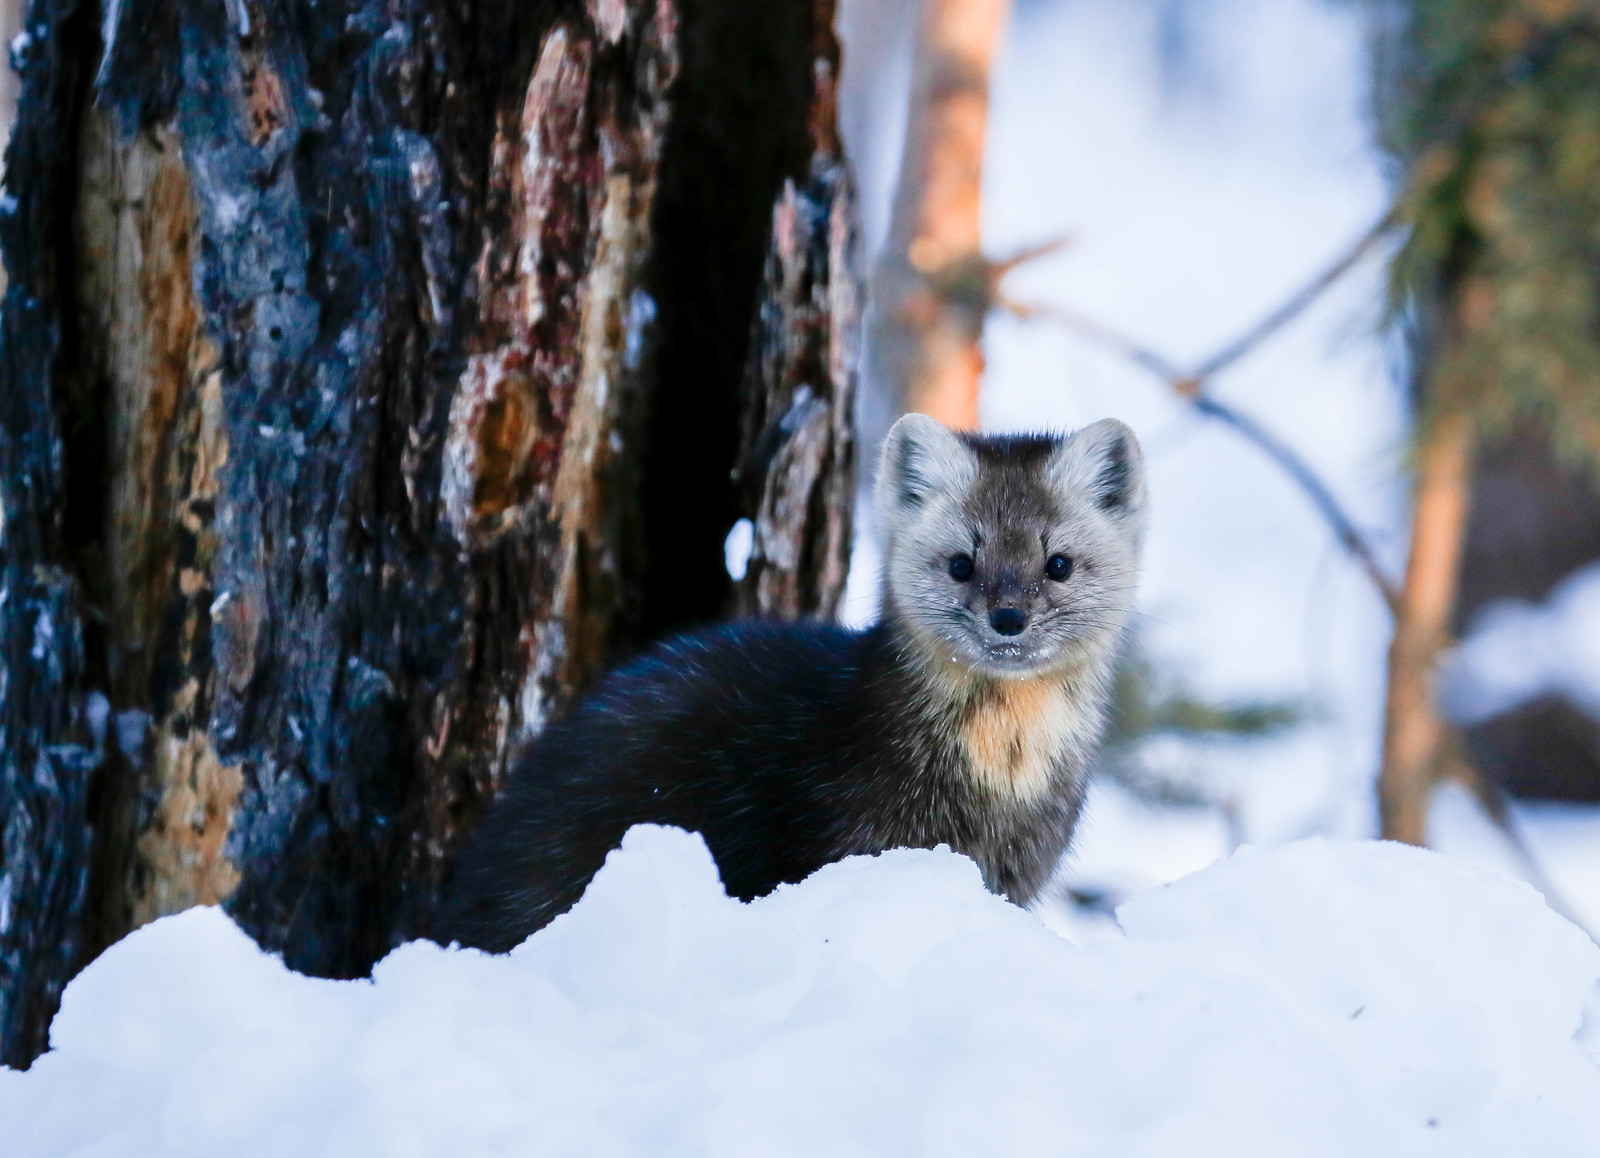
1320	998
736	549
1517	651
1564	840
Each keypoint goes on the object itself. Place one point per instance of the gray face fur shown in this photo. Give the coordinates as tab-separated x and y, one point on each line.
1010	504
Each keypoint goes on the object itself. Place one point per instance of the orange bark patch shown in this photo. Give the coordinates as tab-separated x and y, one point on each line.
510	427
265	105
166	442
182	849
134	227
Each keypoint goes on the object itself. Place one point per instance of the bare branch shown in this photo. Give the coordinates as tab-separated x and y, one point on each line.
1101	335
999	267
1297	302
1296	468
1190	385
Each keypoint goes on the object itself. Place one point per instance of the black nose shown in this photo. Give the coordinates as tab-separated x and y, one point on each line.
1008	620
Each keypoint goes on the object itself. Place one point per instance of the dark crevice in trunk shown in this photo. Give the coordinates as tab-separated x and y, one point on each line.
48	756
742	106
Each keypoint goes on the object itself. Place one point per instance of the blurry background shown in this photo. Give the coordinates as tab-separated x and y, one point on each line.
1206	160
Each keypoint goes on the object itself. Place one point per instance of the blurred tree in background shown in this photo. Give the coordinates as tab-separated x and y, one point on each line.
1492	110
932	288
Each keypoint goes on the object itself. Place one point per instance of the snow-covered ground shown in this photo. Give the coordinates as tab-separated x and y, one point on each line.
1318	999
1207	158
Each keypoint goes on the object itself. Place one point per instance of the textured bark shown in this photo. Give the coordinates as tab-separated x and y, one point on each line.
931	288
1415	740
155	375
341	341
757	78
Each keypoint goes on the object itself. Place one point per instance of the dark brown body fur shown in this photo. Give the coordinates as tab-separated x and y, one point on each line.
785	746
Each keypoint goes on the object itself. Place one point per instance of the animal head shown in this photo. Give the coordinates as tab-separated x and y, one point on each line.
1010	555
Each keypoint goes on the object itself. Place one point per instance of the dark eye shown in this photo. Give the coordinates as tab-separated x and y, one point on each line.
961	568
1057	567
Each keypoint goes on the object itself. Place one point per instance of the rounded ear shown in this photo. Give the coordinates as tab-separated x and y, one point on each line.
921	458
1103	460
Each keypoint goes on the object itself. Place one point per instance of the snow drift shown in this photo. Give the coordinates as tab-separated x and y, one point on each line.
1318	999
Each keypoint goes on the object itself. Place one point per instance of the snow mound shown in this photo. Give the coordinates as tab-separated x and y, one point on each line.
1319	999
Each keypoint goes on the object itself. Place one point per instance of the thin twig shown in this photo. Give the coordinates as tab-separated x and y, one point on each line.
1295	466
1102	335
1297	303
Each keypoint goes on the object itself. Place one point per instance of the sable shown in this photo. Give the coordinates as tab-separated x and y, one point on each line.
967	716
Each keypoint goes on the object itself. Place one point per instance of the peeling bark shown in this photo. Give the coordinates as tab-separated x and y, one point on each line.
756	80
799	439
346	349
146	353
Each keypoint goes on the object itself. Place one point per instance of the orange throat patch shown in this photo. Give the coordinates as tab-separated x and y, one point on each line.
1012	732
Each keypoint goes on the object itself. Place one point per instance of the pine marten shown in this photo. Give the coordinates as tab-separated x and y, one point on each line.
967	716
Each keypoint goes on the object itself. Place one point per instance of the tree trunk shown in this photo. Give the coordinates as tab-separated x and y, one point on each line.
1415	738
376	374
931	290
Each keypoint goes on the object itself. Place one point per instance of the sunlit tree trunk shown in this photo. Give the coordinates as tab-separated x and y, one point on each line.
931	288
1415	738
374	373
1485	107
